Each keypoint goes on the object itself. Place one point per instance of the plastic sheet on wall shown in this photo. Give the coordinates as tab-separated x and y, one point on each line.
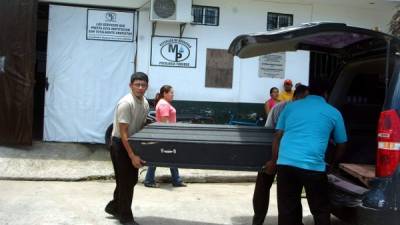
17	61
86	78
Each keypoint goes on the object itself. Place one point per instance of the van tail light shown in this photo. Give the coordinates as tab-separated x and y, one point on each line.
388	154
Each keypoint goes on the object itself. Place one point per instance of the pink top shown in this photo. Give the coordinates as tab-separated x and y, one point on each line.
271	102
165	109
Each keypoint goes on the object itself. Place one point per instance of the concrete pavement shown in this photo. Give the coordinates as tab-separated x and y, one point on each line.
82	203
73	162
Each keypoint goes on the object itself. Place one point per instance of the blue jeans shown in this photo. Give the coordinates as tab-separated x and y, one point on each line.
151	170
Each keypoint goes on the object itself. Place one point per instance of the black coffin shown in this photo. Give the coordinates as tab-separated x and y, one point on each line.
202	146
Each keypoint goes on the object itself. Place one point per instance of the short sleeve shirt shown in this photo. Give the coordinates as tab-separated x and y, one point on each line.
307	126
165	109
273	115
285	96
132	111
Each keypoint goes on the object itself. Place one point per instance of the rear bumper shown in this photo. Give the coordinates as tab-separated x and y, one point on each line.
347	204
360	215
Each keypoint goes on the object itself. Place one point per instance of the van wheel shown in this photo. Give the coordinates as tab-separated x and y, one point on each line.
107	137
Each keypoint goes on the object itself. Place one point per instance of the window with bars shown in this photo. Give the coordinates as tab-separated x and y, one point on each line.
278	20
205	15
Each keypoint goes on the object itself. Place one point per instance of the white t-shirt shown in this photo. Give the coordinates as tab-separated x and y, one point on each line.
132	111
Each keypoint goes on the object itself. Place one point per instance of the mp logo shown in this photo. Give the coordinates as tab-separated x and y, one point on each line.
175	50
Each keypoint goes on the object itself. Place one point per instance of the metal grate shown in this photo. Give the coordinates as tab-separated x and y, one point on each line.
278	20
205	15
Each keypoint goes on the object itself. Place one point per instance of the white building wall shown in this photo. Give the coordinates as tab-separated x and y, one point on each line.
366	16
131	4
236	17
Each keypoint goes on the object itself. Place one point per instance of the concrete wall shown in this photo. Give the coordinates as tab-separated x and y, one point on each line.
362	16
236	17
132	4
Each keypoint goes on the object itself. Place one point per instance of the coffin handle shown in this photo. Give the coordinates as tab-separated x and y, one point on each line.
168	151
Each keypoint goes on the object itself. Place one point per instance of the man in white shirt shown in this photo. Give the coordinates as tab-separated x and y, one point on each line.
129	117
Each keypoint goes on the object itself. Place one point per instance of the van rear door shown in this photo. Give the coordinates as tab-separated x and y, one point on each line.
330	38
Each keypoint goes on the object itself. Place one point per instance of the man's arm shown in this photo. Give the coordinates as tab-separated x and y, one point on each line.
137	162
340	138
270	166
340	149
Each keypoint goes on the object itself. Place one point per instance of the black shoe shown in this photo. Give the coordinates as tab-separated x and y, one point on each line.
111	210
130	223
180	184
258	219
151	185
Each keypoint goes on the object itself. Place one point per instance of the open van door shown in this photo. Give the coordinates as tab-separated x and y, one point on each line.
331	38
361	193
17	64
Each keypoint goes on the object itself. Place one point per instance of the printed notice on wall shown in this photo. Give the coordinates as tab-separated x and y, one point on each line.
272	65
173	52
108	25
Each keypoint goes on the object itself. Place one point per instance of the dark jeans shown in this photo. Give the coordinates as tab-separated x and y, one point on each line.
126	177
291	181
261	197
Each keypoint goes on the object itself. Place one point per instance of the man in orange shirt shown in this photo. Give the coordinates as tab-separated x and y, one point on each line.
287	93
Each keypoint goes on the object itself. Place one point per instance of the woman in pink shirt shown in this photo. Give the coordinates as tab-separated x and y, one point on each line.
273	93
165	113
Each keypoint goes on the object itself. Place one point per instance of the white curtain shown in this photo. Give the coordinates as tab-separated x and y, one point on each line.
86	78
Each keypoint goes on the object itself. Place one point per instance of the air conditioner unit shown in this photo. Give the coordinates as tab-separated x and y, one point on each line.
179	11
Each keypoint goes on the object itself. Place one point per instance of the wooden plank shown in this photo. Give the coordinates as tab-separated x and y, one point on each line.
346	185
219	68
363	172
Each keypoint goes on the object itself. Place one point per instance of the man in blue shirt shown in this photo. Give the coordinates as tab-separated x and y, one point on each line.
298	151
264	181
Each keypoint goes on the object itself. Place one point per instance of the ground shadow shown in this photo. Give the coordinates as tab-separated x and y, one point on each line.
168	221
273	220
241	220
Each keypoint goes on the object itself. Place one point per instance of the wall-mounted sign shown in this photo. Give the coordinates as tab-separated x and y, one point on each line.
108	25
272	65
173	52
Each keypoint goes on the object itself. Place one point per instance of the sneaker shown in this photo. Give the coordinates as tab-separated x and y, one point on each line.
151	185
180	184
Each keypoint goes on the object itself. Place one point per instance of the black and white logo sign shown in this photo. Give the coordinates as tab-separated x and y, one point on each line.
174	52
111	17
107	25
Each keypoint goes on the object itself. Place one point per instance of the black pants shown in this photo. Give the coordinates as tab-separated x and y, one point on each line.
261	197
290	181
126	177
